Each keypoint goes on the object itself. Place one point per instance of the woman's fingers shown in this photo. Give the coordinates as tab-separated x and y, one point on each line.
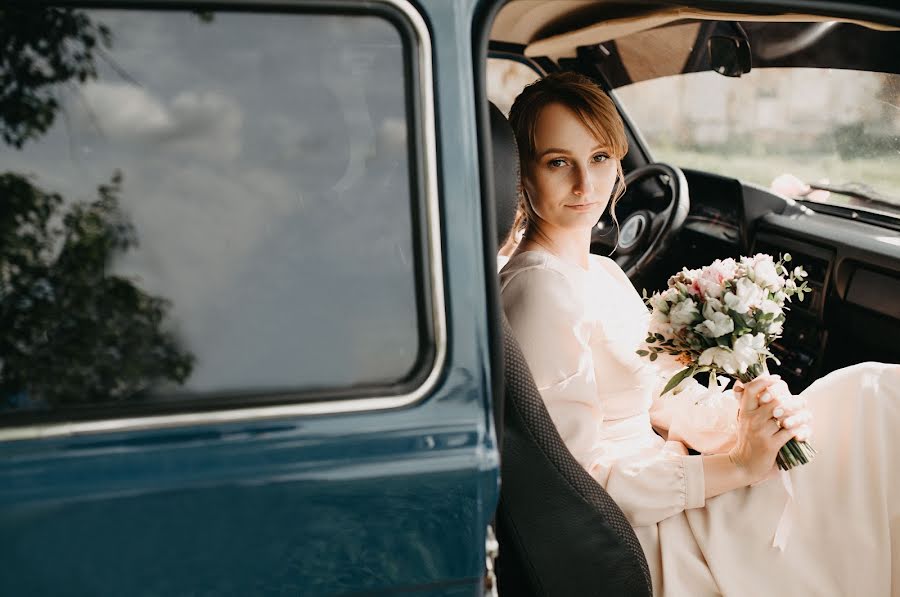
782	437
796	419
802	433
751	394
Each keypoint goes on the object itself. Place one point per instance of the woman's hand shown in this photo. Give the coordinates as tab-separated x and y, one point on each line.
760	433
791	411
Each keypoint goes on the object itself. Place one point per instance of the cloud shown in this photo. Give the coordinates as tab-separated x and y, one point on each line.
204	124
392	135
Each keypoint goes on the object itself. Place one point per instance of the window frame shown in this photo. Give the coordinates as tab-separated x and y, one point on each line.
245	406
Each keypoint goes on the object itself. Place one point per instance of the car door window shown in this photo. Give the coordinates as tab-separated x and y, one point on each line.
209	208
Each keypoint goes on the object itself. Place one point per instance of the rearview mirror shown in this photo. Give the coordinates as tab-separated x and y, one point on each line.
729	56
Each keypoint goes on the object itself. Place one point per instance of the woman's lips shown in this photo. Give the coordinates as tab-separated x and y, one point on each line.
582	206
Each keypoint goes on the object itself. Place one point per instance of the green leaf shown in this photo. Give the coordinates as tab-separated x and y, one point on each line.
678	378
653	356
642	353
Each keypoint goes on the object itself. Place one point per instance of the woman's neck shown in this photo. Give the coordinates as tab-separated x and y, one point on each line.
568	245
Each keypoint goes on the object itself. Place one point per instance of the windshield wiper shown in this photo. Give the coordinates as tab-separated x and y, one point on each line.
860	191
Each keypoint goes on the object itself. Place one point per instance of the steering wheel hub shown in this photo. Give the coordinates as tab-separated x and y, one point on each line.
632	231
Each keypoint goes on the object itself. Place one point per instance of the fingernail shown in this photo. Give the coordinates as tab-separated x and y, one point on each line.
765	398
790	421
778	412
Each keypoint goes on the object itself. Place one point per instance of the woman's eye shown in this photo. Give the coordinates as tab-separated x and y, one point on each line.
601	157
557	163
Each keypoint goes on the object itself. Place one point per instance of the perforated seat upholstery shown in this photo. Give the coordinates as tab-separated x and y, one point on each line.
560	533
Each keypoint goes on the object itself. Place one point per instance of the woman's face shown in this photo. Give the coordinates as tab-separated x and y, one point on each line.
572	177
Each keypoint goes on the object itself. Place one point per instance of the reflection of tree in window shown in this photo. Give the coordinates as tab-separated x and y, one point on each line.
72	332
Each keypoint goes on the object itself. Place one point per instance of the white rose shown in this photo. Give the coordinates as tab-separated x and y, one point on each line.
748	349
775	328
712	306
721	357
717	325
746	295
684	313
711	284
769	306
766	276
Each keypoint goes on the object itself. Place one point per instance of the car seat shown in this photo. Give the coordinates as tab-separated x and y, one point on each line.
560	533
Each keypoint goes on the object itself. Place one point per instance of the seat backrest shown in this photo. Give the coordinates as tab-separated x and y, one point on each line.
560	533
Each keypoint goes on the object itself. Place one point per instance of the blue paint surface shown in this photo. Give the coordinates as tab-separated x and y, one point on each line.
353	504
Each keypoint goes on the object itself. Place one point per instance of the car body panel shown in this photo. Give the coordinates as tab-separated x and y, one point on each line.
372	502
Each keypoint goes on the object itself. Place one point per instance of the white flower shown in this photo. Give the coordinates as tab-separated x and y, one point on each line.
712	278
775	328
747	350
721	357
717	325
684	313
764	274
746	295
659	305
711	283
769	306
712	306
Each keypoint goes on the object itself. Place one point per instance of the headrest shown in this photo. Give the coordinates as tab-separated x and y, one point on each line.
506	173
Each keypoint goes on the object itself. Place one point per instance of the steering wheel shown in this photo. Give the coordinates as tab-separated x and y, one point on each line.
650	214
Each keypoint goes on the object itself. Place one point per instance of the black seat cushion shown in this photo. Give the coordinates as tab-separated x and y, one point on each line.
560	533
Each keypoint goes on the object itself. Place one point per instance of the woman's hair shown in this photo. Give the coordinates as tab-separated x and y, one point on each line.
592	106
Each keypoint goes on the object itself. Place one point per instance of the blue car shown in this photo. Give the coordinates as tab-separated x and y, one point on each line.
251	338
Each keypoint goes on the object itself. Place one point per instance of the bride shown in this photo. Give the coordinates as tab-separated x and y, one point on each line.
726	521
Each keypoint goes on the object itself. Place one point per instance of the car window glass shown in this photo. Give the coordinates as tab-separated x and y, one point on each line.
202	204
784	128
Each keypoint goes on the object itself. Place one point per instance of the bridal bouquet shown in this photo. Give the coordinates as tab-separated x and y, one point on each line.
722	319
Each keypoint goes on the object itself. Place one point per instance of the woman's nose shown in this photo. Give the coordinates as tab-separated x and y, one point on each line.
584	185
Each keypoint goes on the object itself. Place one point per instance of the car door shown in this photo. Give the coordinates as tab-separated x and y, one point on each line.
230	363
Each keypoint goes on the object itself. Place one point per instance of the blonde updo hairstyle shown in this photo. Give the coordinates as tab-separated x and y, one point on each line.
592	106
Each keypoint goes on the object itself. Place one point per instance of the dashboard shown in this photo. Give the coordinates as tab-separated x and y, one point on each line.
852	313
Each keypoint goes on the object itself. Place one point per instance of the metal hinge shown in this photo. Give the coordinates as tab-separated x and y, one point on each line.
491	551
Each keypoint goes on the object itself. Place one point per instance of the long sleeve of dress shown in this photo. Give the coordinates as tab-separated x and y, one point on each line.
649	482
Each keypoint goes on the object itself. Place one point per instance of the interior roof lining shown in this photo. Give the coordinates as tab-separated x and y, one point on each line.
521	21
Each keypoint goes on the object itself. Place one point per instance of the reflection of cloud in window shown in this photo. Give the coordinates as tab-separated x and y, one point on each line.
205	124
392	136
276	218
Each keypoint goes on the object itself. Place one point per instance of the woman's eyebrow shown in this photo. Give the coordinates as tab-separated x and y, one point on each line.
598	147
552	150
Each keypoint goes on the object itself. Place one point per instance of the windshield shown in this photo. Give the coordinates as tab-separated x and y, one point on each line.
813	134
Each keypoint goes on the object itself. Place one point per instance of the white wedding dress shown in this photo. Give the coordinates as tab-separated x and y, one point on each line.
829	528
